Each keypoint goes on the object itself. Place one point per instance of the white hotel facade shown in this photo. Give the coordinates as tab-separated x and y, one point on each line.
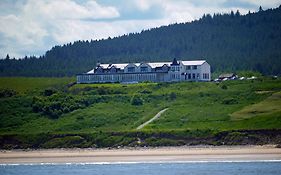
198	70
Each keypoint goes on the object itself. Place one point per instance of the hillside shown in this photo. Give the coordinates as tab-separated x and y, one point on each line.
229	42
49	113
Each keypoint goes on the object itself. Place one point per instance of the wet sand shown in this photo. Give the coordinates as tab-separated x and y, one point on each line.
162	154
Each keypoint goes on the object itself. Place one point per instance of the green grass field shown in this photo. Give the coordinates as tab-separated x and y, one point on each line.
24	84
268	107
47	105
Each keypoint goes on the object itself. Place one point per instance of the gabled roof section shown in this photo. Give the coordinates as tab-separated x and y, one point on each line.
132	64
190	63
175	62
120	66
91	71
152	65
158	64
123	65
144	64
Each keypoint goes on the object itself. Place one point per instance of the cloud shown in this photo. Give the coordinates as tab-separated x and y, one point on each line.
39	21
31	27
263	3
66	9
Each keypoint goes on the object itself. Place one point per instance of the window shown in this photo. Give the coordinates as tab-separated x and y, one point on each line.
99	70
205	76
189	76
194	67
144	69
188	67
198	75
175	68
131	69
193	76
165	68
112	69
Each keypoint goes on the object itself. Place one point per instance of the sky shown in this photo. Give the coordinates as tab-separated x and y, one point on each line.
31	27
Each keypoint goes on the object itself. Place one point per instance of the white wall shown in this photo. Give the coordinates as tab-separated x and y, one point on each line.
131	65
206	68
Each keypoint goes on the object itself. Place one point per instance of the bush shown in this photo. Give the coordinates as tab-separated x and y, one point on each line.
229	101
79	118
49	92
173	96
57	104
136	101
224	87
7	93
102	91
249	74
162	142
65	142
145	91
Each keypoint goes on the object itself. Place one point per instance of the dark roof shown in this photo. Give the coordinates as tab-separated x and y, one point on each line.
175	62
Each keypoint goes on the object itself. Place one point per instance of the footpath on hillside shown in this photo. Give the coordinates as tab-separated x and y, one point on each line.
152	119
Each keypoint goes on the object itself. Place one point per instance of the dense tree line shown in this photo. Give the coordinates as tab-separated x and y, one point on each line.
229	42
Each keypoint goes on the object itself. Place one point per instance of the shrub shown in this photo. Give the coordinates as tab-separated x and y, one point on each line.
64	142
49	92
162	142
79	118
249	74
229	101
7	93
224	87
102	91
173	96
136	101
55	105
145	91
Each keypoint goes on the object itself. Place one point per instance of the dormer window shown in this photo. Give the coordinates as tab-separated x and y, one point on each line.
99	70
144	69
131	69
112	69
165	68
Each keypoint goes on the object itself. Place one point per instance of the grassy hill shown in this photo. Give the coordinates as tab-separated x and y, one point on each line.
48	112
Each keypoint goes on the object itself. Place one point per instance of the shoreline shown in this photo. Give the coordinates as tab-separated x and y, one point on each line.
141	155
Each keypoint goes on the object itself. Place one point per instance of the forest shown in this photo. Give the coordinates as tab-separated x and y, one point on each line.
229	42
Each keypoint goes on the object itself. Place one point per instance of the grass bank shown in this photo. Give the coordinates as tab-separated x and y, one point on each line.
47	112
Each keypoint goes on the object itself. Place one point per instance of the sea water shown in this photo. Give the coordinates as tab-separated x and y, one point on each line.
156	168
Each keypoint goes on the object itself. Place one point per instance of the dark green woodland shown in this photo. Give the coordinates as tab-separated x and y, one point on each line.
229	42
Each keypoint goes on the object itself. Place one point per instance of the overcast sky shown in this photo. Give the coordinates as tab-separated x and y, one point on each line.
31	27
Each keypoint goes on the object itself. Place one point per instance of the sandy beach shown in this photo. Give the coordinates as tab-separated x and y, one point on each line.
163	154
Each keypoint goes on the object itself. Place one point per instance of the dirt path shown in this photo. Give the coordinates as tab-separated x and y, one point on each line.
152	119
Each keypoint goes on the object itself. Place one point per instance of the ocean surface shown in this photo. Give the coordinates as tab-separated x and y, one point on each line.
180	168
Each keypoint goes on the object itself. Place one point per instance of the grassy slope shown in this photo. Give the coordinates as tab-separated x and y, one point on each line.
193	106
26	84
267	107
